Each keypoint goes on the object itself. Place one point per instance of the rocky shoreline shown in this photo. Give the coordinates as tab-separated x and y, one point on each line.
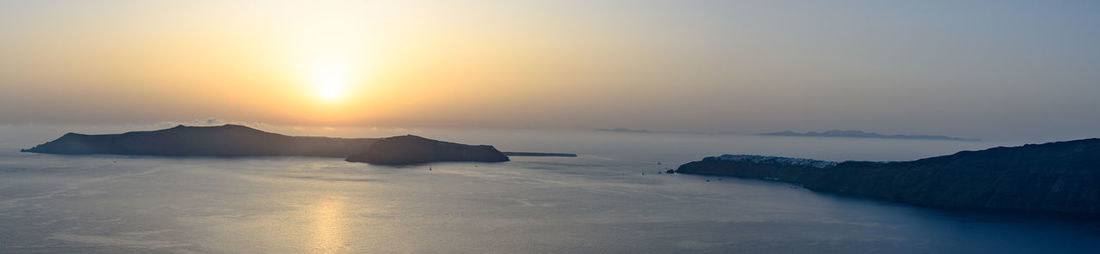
1059	177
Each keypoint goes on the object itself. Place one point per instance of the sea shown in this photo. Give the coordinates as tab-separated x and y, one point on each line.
613	198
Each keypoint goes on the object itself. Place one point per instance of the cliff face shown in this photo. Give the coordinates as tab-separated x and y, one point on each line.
1060	177
226	140
756	167
414	150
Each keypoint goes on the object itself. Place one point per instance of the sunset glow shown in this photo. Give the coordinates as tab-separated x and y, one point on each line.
330	82
761	66
549	126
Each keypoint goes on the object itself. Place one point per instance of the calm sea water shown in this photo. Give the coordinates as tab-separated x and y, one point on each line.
599	202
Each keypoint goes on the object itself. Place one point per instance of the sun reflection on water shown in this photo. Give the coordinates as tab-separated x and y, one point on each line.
329	226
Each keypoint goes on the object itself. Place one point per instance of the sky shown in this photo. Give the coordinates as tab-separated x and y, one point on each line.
985	69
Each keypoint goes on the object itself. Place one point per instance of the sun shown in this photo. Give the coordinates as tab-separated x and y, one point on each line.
328	89
330	83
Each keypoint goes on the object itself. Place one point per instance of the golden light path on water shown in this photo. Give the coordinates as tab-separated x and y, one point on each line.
329	226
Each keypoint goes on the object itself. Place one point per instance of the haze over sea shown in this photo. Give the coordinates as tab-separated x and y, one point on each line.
599	202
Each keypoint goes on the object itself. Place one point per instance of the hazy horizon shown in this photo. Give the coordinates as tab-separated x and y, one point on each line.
995	70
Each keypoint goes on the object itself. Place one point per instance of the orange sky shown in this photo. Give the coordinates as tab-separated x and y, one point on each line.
732	66
393	62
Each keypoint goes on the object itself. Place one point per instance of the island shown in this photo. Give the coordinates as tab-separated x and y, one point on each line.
237	140
861	134
411	149
1059	177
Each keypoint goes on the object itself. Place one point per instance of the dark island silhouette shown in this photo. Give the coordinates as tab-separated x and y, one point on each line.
225	140
861	134
1059	177
237	140
411	149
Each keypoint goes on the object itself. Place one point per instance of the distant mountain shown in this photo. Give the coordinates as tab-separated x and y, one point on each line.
1060	177
625	130
236	140
861	134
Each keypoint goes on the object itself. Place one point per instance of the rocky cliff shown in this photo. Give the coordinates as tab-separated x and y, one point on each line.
1060	177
